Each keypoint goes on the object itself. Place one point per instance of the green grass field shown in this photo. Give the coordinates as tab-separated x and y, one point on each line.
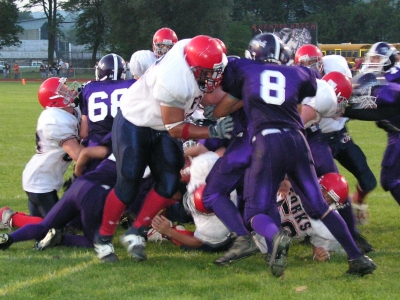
169	273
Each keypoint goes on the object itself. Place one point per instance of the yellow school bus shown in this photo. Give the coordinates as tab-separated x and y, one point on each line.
348	51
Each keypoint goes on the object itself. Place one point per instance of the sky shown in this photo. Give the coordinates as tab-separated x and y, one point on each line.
34	9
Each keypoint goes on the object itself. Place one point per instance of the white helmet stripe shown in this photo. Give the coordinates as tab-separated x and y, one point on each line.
115	77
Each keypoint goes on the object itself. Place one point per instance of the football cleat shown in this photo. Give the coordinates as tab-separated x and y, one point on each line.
52	239
242	247
5	241
104	249
6	217
134	244
363	244
278	261
361	266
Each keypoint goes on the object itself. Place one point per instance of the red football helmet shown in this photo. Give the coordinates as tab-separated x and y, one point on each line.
336	186
341	85
163	40
54	92
198	200
205	57
222	45
309	56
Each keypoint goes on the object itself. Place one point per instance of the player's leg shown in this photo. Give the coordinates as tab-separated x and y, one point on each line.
226	174
131	146
390	180
353	159
324	163
39	204
57	217
305	182
165	162
262	181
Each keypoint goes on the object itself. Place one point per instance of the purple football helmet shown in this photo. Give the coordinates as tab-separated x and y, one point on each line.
266	47
379	58
110	67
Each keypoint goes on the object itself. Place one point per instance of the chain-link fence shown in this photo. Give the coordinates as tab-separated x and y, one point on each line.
35	73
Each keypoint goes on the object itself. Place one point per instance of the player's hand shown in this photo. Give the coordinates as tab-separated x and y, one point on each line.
209	112
284	189
321	254
67	183
223	129
161	224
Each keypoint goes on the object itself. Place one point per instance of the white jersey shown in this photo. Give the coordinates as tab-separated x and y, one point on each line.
140	61
331	125
169	82
45	171
324	102
299	224
334	63
209	229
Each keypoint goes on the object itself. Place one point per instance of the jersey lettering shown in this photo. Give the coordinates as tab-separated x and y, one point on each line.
272	89
98	110
193	106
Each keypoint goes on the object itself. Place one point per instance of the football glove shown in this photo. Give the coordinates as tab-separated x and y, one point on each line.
222	130
209	112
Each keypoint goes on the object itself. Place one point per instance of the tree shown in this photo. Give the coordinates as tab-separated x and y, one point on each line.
8	24
142	18
24	15
50	9
90	27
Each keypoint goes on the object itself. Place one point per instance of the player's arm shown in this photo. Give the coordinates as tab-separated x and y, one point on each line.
97	152
173	118
174	115
162	225
226	106
214	97
308	114
371	114
72	147
84	128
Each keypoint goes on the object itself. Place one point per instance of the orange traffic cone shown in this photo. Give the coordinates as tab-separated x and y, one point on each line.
23	81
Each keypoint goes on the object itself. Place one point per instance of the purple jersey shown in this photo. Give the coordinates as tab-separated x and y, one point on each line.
393	75
270	92
100	103
388	96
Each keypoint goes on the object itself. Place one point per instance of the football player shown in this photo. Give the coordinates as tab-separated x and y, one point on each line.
335	132
145	133
375	97
226	176
84	200
335	190
57	144
99	103
260	85
163	40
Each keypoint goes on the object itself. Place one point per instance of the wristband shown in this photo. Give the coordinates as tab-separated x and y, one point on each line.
185	132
